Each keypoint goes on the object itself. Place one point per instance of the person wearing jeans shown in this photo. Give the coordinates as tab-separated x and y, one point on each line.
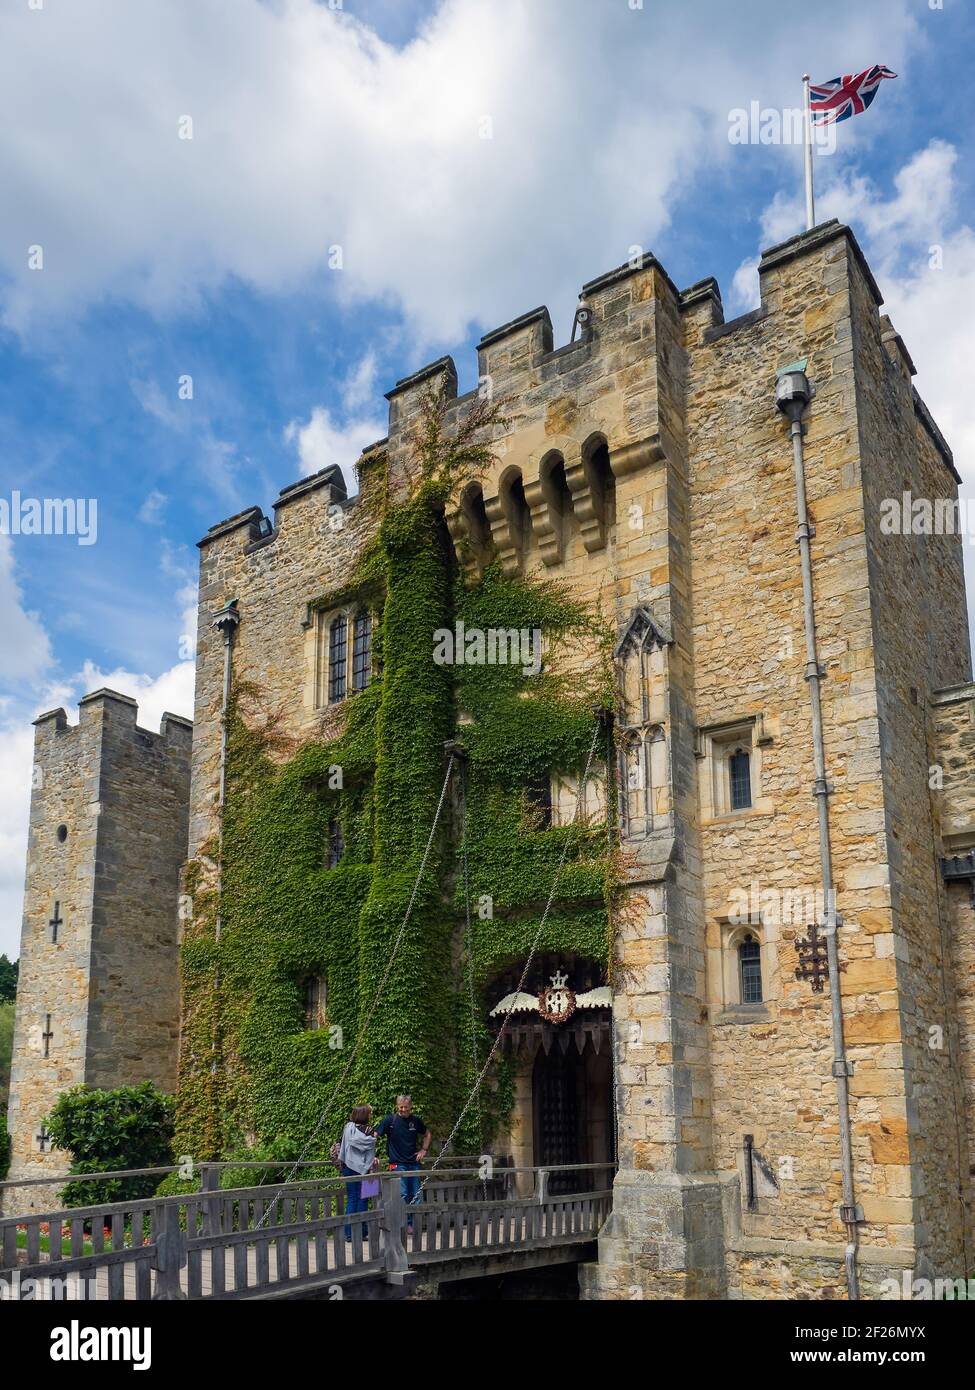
357	1154
408	1140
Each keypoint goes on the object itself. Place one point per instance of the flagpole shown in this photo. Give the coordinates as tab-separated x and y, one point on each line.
810	199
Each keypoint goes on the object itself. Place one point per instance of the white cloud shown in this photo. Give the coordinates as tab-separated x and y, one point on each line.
28	667
322	443
26	651
309	131
16	760
171	692
151	510
744	288
177	563
358	387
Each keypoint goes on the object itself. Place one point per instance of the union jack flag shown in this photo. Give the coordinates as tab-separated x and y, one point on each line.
842	97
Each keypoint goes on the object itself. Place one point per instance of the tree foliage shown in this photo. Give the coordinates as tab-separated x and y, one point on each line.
9	970
6	1049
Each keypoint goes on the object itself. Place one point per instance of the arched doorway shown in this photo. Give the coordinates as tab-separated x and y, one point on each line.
572	1118
563	1106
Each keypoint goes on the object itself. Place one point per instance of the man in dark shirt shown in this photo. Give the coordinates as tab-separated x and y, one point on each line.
406	1148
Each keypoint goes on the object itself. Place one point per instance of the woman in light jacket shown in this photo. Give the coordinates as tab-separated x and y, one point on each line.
357	1151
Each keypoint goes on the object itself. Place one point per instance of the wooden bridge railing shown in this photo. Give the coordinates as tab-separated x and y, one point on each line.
251	1241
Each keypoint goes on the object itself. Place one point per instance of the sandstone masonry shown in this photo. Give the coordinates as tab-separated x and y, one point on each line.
98	995
645	466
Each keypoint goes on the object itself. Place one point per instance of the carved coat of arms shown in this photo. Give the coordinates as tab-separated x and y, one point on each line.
557	1003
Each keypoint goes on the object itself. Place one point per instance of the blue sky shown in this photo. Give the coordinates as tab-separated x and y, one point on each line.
315	127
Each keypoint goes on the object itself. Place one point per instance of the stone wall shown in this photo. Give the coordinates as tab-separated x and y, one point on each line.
695	522
953	761
920	642
120	797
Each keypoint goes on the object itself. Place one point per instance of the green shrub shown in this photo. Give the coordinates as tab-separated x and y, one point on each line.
130	1127
280	1156
173	1185
4	1146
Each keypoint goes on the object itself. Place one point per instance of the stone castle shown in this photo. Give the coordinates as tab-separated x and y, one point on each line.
788	1076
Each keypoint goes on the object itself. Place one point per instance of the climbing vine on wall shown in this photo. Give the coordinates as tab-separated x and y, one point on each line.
286	916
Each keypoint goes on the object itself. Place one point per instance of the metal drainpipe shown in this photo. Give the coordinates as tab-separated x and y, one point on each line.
792	395
226	622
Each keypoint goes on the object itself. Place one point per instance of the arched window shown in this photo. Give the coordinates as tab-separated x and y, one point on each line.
337	658
740	779
336	844
750	970
361	650
634	789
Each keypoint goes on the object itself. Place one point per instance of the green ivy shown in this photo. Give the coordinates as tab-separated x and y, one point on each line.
286	916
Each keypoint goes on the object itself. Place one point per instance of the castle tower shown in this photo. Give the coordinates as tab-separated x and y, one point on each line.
646	468
98	997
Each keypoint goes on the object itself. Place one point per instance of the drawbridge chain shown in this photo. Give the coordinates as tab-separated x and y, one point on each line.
569	840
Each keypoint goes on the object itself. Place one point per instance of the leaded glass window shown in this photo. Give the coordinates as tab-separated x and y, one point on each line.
750	969
337	658
361	650
740	778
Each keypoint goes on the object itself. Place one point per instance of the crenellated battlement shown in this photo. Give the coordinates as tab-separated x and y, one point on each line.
109	709
618	386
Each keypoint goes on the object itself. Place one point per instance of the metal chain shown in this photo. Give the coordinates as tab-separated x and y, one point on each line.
528	964
469	941
372	1009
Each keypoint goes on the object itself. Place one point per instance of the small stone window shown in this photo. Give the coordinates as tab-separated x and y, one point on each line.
552	799
62	833
740	779
338	642
731	754
750	970
343	656
742	970
538	802
336	844
316	1002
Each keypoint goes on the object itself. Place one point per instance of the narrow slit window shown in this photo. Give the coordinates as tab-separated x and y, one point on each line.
316	1001
337	659
634	789
740	778
336	844
361	651
750	970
